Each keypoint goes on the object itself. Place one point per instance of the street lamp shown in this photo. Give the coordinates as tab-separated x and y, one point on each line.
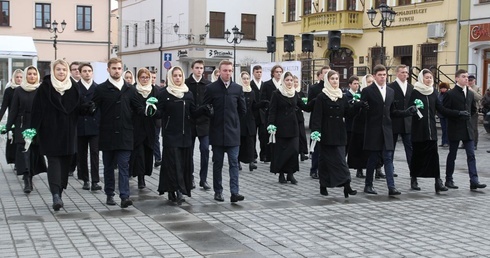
237	39
387	17
191	36
53	28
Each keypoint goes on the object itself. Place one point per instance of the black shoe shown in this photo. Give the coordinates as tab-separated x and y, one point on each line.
158	163
126	203
239	167
172	197
193	184
282	180
451	185
477	185
359	174
439	186
252	166
110	200
348	190
236	198
27	185
303	157
395	175
204	186
314	175
379	174
57	202
179	198
414	184
95	187
445	145
86	185
219	197
291	179
393	191
369	189
255	161
323	191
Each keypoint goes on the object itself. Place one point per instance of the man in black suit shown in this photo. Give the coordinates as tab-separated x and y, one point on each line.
378	138
313	92
402	126
256	85
460	128
349	94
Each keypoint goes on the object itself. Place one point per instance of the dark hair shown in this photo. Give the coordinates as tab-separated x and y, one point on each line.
460	71
74	63
286	74
274	68
444	85
378	68
198	61
153	72
353	78
426	71
330	73
256	67
82	65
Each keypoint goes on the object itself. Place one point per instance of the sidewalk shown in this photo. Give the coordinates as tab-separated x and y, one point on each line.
274	220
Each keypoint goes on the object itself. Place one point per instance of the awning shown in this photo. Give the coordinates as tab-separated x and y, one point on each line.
17	46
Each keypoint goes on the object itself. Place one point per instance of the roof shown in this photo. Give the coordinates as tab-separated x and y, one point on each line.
17	46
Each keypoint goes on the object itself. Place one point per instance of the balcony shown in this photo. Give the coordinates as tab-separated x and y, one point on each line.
326	21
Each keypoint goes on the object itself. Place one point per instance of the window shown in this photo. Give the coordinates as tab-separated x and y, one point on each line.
126	32
84	17
332	5
404	2
147	32
248	26
306	7
43	15
351	5
135	42
378	2
152	28
4	13
291	10
217	25
484	1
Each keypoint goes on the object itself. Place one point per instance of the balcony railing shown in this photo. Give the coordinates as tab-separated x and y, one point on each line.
338	20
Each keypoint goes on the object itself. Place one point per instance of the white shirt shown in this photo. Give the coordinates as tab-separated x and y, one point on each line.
258	83
382	90
195	79
403	86
352	92
226	84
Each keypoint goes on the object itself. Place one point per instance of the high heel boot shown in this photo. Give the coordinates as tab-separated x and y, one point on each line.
282	180
141	182
291	178
440	186
348	190
323	191
57	202
27	184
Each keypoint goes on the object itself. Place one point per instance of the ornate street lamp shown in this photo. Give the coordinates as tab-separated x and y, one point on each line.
387	17
237	39
53	28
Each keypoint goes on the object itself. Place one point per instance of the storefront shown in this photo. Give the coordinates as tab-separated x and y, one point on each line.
479	53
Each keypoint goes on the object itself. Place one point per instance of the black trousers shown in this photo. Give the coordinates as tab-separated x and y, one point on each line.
265	149
84	142
58	169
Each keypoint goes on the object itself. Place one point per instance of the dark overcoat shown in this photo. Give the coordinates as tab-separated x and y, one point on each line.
8	94
282	114
20	112
144	126
460	128
256	91
313	92
176	119
229	106
88	125
201	123
402	102
247	121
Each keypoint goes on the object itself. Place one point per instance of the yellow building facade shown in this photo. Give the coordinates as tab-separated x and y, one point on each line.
424	34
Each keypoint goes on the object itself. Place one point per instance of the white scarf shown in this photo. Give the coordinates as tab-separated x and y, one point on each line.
288	93
12	83
403	85
332	93
176	90
364	82
60	86
421	87
298	89
118	84
246	88
144	90
132	76
258	83
277	83
87	84
27	86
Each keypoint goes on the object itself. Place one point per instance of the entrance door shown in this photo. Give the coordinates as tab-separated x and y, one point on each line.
341	61
486	71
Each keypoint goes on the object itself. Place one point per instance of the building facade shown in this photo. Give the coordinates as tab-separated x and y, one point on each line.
150	38
476	33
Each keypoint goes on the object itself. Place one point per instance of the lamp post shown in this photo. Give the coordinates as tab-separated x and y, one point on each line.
191	36
237	39
53	28
387	17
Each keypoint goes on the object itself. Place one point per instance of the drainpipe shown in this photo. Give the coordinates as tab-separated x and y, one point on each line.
458	33
161	42
109	32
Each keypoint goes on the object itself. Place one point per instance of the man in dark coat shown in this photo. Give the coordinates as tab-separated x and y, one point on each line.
88	132
200	128
313	92
461	129
256	85
228	103
75	75
349	94
157	148
402	125
378	131
113	100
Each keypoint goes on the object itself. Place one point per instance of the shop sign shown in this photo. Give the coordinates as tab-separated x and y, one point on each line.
480	32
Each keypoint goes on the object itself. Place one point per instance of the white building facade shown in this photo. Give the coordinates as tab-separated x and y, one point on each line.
479	41
148	37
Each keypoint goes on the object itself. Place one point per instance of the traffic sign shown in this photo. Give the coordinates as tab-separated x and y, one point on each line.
167	65
167	56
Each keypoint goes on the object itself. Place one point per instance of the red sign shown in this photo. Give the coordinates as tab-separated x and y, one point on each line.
480	32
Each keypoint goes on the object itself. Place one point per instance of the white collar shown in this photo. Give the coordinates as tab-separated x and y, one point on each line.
195	79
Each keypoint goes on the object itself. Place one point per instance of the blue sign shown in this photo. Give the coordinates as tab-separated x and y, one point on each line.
167	65
167	56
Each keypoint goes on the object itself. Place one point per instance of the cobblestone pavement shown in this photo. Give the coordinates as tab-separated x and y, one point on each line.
274	220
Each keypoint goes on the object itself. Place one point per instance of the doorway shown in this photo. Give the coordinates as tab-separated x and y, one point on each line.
486	71
341	61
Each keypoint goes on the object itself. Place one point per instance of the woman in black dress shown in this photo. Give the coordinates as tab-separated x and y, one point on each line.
6	103
27	161
303	144
248	130
141	160
328	119
425	157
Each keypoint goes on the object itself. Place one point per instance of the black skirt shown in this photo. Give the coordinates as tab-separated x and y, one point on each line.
332	167
247	149
357	157
303	143
176	171
425	160
285	155
141	161
10	151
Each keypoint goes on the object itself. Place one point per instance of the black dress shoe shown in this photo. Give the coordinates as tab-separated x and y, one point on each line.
255	161
252	166
57	202
126	202
95	187
393	191
359	174
282	179
236	198
323	191
450	184
158	163
291	179
477	185
439	186
219	197
303	157
314	175
239	167
110	200
414	184
204	186
369	189
395	175
86	185
27	185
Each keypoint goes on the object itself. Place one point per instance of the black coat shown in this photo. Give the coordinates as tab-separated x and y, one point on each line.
282	114
247	122
229	106
402	102
20	112
116	116
256	90
88	124
201	123
55	117
299	111
144	126
8	94
348	120
267	89
459	128
424	129
177	120
313	91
